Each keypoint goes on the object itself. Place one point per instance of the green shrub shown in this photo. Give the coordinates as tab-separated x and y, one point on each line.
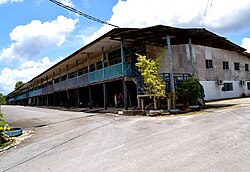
189	91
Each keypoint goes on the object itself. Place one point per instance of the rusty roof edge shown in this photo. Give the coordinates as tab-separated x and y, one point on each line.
65	59
109	33
225	39
68	57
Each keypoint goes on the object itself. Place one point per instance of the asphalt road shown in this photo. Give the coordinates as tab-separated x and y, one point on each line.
216	139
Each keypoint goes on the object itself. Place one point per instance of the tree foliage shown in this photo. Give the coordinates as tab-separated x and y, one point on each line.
19	84
149	70
189	91
3	100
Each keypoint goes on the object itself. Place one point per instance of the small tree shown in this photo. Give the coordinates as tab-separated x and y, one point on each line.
19	84
149	70
3	100
189	91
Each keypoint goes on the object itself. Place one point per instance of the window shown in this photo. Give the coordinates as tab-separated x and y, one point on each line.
209	64
92	67
246	67
236	66
228	87
248	85
225	65
98	65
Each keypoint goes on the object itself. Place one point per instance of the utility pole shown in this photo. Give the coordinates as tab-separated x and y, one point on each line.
191	55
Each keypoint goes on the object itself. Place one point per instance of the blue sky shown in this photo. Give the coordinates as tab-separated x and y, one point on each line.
35	34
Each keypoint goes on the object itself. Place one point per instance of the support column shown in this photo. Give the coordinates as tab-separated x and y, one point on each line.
104	85
47	83
53	80
191	55
67	77
122	55
125	92
54	99
37	101
77	91
47	101
60	98
88	61
103	55
67	72
90	98
171	71
104	96
60	75
125	95
90	94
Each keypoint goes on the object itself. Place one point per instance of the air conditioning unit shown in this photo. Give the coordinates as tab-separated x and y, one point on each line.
220	81
242	82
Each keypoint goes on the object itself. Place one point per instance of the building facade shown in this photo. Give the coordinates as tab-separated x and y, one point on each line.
103	73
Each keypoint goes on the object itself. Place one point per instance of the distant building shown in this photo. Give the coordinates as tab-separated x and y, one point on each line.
103	73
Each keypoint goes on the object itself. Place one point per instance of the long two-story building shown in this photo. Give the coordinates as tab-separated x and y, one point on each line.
103	73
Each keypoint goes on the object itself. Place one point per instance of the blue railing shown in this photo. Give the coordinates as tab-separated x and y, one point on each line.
110	72
178	78
96	76
113	71
35	93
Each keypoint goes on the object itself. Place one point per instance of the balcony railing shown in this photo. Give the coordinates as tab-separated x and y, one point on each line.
110	72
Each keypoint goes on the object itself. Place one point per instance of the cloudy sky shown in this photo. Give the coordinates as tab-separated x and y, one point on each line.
36	34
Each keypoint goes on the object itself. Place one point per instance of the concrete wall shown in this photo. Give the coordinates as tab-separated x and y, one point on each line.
218	56
213	90
208	77
180	55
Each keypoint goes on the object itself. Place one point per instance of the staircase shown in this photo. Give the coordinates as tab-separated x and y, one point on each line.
178	78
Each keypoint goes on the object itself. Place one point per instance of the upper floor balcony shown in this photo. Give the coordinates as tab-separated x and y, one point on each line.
108	73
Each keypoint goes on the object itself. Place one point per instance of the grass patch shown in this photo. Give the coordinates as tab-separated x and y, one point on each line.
2	145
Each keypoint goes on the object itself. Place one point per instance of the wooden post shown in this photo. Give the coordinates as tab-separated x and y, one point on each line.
60	75
67	77
47	100
122	55
171	71
54	99
125	95
67	72
60	98
90	94
90	98
104	96
77	92
103	55
53	80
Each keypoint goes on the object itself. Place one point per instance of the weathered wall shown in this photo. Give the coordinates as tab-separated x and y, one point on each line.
208	77
218	56
180	55
213	90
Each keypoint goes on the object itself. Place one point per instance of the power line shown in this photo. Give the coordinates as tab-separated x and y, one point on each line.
82	14
208	7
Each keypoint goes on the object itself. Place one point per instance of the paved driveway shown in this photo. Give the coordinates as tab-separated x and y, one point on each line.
216	139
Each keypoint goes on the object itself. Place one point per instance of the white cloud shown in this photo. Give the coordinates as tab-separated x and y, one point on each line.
67	2
29	40
9	1
222	16
26	71
246	44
